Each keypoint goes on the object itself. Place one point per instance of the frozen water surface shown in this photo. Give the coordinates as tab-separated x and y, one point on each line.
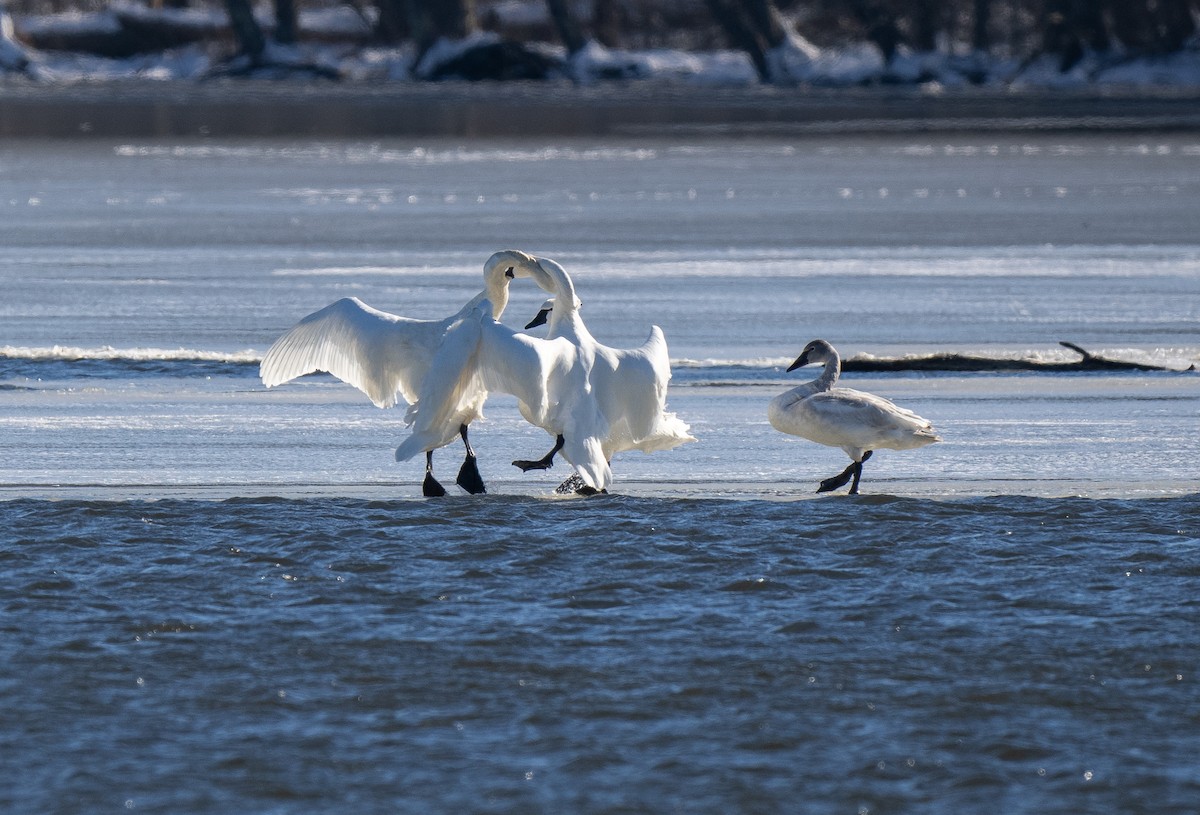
170	266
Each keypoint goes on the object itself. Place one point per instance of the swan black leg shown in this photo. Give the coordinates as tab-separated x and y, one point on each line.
468	475
854	471
858	472
543	463
430	487
857	476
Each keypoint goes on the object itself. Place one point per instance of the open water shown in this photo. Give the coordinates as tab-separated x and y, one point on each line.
221	598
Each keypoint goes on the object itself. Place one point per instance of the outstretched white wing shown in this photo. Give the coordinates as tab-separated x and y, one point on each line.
381	354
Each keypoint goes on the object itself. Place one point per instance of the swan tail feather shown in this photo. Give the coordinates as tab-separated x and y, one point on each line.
586	454
669	432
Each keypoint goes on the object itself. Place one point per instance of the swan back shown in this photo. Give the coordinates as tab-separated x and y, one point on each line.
630	384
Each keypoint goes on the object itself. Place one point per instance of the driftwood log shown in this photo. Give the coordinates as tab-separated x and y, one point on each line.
962	362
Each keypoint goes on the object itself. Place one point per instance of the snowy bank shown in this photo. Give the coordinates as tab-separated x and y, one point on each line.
193	44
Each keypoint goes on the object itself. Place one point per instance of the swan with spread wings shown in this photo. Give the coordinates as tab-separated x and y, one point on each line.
389	357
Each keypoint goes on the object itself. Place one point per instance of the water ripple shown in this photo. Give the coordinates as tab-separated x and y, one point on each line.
630	654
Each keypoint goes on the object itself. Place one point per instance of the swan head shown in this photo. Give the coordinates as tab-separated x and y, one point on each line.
816	351
502	267
509	263
543	315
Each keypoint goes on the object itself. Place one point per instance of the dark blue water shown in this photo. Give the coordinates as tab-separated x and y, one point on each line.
493	654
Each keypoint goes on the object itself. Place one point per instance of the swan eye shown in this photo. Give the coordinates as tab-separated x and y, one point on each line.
509	272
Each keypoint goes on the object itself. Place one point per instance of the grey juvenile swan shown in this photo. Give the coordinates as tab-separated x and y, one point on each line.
857	422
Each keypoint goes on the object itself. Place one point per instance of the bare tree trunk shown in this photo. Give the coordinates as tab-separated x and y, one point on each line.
568	27
927	21
606	22
429	20
980	39
752	26
767	21
249	34
1070	26
285	22
1175	24
880	24
1089	21
420	25
452	19
392	23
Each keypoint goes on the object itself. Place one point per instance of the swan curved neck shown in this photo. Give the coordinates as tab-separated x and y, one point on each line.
554	279
496	291
829	376
497	295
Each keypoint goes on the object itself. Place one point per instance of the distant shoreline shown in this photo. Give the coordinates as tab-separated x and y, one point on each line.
249	109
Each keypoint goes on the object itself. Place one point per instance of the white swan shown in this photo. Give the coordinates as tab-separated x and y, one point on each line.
857	422
630	384
595	400
547	377
388	357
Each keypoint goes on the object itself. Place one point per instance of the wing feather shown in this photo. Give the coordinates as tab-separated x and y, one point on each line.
381	354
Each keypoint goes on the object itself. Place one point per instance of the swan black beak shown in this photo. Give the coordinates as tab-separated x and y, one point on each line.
540	319
800	362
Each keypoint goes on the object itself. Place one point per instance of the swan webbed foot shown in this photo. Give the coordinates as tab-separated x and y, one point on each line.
571	486
469	478
575	485
430	487
857	476
854	471
541	464
838	481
